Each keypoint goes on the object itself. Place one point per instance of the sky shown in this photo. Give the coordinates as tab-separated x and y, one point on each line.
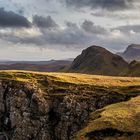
61	29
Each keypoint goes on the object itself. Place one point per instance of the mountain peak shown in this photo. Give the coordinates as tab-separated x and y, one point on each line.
134	46
98	60
132	52
94	48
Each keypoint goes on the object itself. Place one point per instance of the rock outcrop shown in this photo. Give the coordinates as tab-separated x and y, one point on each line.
51	110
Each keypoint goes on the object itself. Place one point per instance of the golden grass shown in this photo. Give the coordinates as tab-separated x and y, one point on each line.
124	116
96	79
75	78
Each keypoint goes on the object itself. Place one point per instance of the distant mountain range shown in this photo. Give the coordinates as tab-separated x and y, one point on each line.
43	66
131	53
98	60
93	60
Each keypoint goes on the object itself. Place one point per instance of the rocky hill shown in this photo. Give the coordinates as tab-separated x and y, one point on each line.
58	106
131	53
134	69
98	60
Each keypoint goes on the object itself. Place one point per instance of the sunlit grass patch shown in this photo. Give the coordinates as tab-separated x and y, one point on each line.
75	78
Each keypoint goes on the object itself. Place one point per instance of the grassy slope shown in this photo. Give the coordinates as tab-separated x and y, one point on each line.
75	78
123	118
77	83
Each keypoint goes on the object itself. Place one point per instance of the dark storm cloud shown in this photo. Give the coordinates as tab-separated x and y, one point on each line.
104	4
11	19
74	36
44	22
90	27
71	24
71	35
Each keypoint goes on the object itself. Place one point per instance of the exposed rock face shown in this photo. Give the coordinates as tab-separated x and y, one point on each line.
98	60
131	53
29	113
23	113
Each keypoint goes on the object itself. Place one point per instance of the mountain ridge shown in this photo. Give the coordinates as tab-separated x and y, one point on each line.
98	60
131	53
50	66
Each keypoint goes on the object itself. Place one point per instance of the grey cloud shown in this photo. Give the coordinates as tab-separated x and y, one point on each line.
44	22
104	4
116	15
11	19
128	28
66	37
71	35
71	24
77	36
90	27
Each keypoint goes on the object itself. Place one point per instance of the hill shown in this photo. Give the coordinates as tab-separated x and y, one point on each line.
134	69
131	53
52	106
118	121
46	66
98	60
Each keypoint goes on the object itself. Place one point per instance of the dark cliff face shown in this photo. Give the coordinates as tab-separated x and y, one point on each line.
98	60
27	112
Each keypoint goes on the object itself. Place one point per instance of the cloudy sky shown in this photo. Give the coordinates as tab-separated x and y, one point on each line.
59	29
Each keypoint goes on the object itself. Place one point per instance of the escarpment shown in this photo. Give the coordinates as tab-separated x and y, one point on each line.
49	109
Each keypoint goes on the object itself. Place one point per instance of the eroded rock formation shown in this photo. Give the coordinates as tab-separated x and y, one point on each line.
27	112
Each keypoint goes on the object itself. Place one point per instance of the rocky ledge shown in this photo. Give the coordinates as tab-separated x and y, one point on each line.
48	109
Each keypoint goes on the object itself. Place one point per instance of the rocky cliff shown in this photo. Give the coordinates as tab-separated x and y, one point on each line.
36	106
